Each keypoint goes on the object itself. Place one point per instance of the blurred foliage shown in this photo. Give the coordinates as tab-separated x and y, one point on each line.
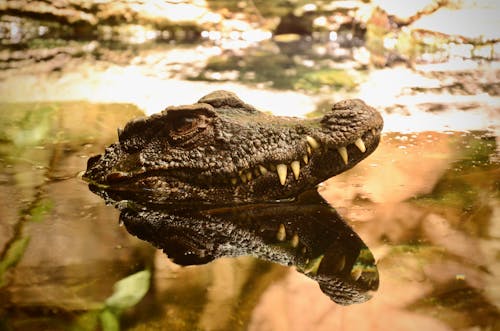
278	70
406	43
40	209
313	81
27	126
32	136
127	292
47	43
14	250
23	126
12	256
451	303
470	181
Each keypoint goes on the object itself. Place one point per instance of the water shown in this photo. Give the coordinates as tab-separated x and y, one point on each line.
426	202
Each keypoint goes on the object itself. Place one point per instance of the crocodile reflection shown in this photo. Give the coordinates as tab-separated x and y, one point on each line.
306	233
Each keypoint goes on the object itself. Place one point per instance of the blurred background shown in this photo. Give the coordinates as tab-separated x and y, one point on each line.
426	202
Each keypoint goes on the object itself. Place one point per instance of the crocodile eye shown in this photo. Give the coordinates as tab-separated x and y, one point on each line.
183	124
186	127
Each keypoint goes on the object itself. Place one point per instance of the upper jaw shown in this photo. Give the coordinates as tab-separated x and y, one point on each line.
318	153
315	157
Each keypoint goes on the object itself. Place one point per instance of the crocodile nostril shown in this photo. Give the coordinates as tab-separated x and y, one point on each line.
93	160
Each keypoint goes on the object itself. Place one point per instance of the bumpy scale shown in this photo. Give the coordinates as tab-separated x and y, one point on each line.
221	149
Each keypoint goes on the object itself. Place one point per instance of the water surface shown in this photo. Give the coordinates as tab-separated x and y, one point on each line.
425	203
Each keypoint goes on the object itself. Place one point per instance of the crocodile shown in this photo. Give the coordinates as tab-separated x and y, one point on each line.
223	150
220	178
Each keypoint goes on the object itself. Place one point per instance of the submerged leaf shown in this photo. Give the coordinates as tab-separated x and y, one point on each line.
41	209
12	256
129	291
109	321
86	322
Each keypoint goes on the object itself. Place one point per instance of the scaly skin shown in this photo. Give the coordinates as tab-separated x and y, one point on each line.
221	150
306	233
203	181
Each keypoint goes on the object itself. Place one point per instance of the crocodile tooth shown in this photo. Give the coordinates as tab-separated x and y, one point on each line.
356	273
281	234
313	265
360	145
281	169
309	151
256	172
262	169
343	153
312	142
295	165
341	263
243	177
249	175
295	240
306	159
234	181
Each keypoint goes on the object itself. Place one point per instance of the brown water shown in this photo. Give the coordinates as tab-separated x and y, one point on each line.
426	202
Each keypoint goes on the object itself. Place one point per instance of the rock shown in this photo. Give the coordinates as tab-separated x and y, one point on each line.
63	11
110	12
472	24
291	24
405	11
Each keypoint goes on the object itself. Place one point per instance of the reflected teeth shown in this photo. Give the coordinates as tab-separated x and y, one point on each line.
356	273
313	265
281	234
360	145
341	263
295	165
282	172
343	153
295	240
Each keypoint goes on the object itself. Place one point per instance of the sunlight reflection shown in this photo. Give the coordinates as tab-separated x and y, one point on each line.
140	34
142	85
256	35
426	200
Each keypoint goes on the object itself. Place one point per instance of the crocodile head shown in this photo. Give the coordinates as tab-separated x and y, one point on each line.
221	149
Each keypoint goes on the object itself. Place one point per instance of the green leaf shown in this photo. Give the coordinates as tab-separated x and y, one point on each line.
13	255
109	321
41	209
129	291
86	322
